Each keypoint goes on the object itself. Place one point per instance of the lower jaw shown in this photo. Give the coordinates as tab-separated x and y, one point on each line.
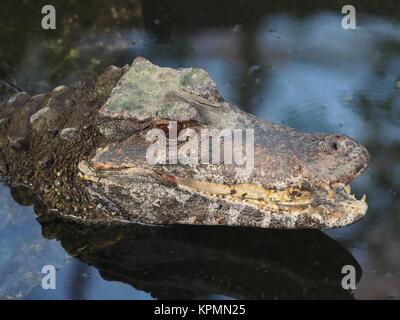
327	208
316	208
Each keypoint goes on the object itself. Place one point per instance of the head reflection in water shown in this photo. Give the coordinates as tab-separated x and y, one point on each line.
189	262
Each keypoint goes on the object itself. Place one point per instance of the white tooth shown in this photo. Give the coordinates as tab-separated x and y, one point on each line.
347	189
364	198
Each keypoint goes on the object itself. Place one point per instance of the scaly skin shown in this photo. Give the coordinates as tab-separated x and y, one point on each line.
83	152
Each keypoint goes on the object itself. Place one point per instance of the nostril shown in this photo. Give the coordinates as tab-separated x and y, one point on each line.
334	143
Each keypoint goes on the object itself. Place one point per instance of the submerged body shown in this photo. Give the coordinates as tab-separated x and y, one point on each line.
83	152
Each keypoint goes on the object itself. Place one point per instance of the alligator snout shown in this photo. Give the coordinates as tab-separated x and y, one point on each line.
344	145
341	160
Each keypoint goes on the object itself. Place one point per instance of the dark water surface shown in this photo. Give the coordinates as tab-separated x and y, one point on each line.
287	61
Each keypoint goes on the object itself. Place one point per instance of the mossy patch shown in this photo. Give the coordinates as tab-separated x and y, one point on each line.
194	78
145	91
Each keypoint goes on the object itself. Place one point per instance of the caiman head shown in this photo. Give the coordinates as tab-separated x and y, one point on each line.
285	179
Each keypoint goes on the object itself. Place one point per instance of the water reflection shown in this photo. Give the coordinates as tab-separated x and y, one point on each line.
198	262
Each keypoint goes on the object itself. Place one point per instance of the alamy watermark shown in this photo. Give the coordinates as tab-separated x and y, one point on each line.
49	278
49	20
349	280
205	146
349	20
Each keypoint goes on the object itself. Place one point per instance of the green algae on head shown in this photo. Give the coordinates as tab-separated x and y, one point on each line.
195	79
147	91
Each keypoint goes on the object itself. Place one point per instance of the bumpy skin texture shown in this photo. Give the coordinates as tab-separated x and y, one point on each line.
83	151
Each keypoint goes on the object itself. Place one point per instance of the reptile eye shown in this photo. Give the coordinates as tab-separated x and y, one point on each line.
334	146
163	127
179	127
166	128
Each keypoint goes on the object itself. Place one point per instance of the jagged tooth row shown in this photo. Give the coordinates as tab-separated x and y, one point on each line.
347	189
